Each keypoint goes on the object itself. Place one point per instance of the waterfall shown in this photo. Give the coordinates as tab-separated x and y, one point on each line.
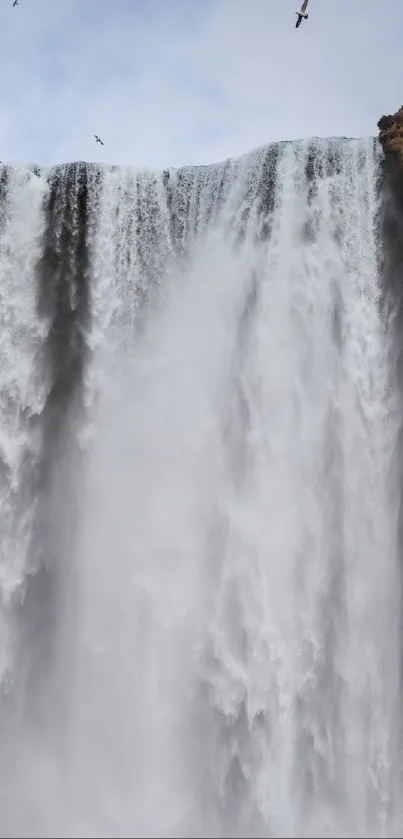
200	499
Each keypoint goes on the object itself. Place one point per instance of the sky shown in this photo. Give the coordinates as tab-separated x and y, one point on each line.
177	82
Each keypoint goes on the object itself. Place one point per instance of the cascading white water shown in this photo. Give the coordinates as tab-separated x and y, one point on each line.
233	667
22	391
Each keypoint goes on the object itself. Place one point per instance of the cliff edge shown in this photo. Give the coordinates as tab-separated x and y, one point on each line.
391	139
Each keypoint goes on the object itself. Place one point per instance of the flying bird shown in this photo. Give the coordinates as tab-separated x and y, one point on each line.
15	3
301	15
98	140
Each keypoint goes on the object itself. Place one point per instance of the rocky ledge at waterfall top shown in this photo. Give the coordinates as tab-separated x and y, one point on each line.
391	138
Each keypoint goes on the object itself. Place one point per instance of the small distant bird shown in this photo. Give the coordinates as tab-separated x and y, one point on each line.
301	15
98	139
15	3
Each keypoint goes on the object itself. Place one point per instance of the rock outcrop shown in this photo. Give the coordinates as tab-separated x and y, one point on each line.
391	138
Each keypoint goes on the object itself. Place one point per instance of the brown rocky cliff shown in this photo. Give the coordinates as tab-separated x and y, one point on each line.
391	139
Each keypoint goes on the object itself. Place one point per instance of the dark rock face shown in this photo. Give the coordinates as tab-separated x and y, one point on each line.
390	222
386	122
391	139
391	212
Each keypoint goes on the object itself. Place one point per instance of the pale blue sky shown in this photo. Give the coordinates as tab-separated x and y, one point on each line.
170	82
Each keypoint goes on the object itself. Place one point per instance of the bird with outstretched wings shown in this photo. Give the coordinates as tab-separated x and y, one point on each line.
302	14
